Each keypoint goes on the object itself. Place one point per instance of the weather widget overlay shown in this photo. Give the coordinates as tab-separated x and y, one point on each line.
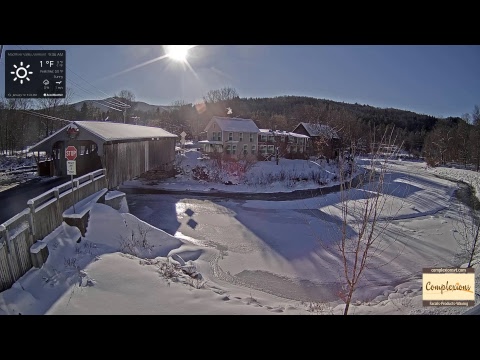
35	74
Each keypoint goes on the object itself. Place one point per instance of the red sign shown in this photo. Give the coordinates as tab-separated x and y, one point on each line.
71	152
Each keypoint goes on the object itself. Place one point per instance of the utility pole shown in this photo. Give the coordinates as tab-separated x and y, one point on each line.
125	116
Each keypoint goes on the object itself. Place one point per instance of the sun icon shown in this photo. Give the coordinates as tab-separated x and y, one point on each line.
21	72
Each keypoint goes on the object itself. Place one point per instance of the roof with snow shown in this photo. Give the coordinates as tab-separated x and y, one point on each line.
283	133
234	124
109	131
319	130
104	131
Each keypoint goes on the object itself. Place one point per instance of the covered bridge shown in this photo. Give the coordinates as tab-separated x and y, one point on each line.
124	150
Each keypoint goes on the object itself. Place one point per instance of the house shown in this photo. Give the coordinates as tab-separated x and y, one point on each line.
236	137
325	140
290	145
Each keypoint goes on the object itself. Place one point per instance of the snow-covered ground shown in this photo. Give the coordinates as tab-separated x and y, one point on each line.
124	265
262	176
11	173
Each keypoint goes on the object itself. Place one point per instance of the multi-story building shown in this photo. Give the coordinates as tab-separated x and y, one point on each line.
236	137
289	144
325	140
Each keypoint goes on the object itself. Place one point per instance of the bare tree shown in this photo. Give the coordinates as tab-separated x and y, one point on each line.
365	211
476	115
50	107
438	143
24	133
10	124
462	140
64	111
467	234
223	94
128	98
475	137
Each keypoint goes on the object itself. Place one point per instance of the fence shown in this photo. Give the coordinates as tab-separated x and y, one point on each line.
43	215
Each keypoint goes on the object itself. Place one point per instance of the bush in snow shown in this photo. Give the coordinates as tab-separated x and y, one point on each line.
136	241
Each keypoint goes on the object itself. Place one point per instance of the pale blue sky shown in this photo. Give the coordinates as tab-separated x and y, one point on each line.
438	80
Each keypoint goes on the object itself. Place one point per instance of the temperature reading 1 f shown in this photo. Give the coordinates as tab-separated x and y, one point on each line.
47	63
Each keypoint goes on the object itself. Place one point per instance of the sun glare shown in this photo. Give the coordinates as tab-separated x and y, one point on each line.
178	52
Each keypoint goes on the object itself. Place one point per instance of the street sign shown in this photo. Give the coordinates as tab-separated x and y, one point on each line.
71	167
183	134
71	153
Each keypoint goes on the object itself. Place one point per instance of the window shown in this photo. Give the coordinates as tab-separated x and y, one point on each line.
270	149
282	138
251	137
245	149
264	137
271	138
230	136
234	149
219	136
253	149
229	149
214	136
240	136
263	149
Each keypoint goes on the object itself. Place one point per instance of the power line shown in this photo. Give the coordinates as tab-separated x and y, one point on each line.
34	113
113	98
87	91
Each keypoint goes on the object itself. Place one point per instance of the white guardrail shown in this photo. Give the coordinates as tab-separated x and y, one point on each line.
41	217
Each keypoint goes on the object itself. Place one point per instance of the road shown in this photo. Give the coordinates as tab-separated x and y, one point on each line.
14	200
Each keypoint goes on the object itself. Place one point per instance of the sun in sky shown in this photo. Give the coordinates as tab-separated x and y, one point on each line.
178	52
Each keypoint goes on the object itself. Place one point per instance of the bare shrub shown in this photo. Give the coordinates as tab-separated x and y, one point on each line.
196	283
168	269
319	308
200	173
70	262
136	241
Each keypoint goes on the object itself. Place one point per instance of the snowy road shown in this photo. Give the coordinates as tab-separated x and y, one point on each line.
285	247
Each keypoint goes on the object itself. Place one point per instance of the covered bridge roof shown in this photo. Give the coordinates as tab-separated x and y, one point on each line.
109	131
104	132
